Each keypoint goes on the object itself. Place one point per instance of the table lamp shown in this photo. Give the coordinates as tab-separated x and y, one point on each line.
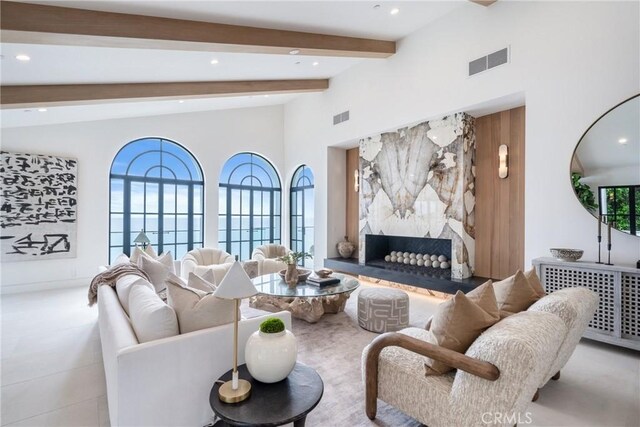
142	238
235	285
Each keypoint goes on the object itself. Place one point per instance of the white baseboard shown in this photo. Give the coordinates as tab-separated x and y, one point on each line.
44	286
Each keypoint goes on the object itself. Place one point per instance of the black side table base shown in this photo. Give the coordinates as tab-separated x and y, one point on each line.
297	423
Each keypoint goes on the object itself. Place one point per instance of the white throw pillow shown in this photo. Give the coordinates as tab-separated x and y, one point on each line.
137	253
121	259
197	309
157	269
151	318
124	285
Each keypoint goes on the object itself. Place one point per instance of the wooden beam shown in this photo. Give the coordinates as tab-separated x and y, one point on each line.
51	95
34	23
485	3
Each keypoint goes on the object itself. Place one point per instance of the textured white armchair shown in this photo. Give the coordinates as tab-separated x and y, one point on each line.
494	382
267	255
200	260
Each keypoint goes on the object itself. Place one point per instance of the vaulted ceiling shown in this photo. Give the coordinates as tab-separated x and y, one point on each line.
87	65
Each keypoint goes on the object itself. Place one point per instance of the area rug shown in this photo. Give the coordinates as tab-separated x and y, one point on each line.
333	347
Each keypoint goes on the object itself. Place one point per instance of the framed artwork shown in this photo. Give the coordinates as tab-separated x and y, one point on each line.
38	207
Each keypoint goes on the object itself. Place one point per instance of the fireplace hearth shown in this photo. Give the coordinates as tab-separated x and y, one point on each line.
378	246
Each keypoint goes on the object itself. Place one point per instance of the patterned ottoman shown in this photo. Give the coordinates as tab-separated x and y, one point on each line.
383	310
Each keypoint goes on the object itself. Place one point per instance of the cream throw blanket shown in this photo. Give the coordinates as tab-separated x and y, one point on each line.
111	276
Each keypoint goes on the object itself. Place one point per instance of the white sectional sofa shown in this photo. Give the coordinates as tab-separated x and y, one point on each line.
165	382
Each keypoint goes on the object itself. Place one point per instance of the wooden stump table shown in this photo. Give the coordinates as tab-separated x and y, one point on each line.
304	301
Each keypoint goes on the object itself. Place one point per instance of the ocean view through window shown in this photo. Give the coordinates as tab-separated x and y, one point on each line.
156	185
249	204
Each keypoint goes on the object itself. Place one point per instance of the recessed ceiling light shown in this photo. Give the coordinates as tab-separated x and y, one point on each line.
266	96
42	110
622	141
294	52
181	101
23	57
214	61
394	11
315	64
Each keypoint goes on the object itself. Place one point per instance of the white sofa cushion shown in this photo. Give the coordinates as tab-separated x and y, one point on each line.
157	269
151	318
123	288
197	309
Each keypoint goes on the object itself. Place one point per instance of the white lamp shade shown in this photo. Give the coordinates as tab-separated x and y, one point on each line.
141	238
236	284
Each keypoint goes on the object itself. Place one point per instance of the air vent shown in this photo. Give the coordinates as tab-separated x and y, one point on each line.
488	62
342	117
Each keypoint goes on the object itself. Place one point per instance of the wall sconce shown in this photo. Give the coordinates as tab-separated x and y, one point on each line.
356	180
503	169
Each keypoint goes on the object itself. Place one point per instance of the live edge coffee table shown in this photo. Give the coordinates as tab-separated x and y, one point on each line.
287	401
304	301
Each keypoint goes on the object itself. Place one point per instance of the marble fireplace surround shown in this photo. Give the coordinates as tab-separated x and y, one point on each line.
419	181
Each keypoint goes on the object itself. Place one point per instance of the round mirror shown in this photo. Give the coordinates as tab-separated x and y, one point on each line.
605	168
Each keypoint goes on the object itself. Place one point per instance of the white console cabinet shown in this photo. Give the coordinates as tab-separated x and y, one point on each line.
616	320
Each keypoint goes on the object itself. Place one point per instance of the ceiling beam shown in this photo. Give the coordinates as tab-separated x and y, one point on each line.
485	3
55	95
41	24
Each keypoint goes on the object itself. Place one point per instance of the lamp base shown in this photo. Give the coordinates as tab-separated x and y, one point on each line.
227	394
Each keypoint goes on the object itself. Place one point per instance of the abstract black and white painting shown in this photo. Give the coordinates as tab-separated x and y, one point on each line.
38	207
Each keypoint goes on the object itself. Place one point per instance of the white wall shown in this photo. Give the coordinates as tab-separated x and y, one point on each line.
212	137
571	60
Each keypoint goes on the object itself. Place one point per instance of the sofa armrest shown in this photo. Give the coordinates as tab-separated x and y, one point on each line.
167	382
452	358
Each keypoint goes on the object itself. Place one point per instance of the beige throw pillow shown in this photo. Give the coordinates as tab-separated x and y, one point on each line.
151	318
456	325
534	282
157	269
205	282
138	252
197	309
514	294
484	296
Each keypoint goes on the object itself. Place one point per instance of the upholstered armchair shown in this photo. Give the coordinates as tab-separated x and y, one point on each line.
576	307
267	255
200	260
494	382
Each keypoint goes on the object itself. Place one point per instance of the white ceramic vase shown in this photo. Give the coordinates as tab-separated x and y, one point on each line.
271	357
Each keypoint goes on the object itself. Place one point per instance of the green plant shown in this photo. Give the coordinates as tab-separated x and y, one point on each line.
294	257
584	193
272	325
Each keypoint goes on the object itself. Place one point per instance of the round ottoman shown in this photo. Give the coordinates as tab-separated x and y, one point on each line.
383	310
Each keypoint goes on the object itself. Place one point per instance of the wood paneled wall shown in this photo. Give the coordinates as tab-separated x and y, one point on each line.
353	203
499	210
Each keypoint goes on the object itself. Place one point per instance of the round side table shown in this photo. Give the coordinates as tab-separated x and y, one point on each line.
286	401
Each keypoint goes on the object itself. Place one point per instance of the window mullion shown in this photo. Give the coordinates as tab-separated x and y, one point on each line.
126	218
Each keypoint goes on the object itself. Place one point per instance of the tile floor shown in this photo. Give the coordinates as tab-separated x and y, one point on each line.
52	373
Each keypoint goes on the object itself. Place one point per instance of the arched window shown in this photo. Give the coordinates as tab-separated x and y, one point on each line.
157	186
302	211
249	204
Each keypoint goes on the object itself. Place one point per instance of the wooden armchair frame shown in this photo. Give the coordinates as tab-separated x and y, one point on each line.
452	358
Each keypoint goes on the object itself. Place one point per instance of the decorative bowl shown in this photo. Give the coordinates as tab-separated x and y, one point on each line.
323	273
303	274
566	254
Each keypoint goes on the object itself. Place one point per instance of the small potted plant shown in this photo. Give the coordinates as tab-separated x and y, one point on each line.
271	352
292	259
